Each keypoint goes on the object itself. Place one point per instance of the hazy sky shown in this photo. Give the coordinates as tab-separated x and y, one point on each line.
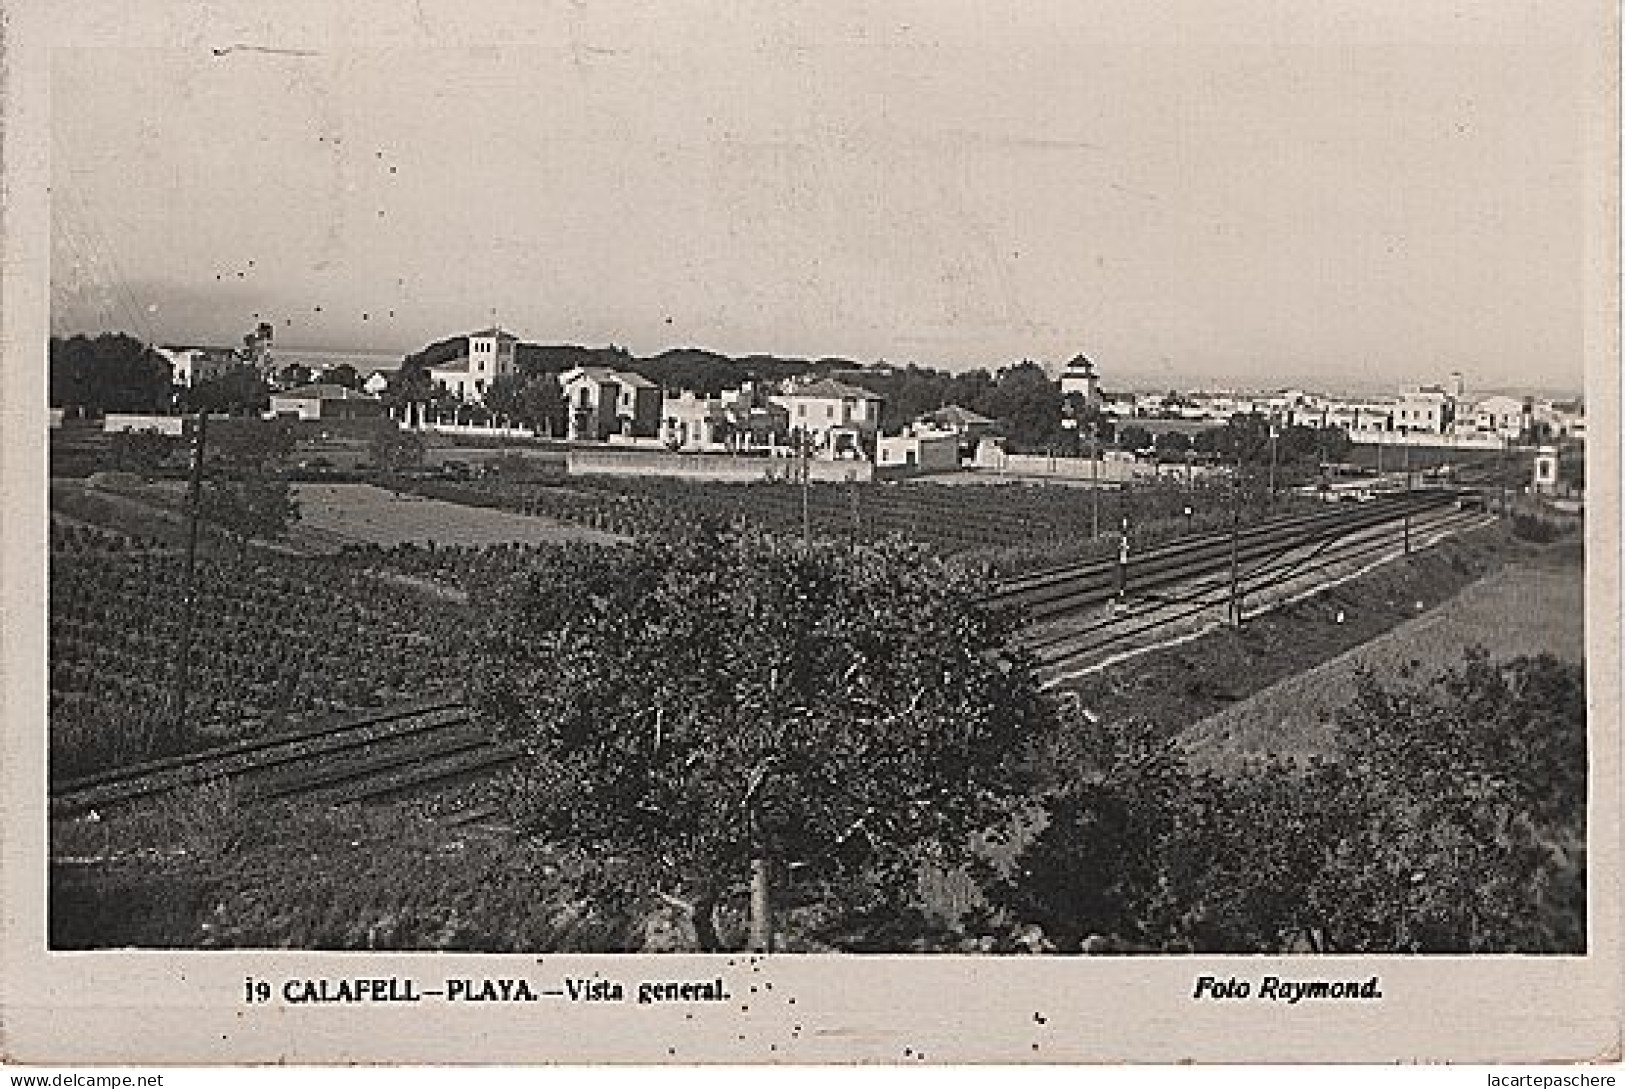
911	184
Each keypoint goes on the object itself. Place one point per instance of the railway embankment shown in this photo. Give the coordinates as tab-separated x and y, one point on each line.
1187	683
1530	605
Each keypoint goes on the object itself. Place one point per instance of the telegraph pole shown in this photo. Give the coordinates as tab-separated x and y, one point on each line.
806	492
1094	483
1273	433
857	518
1235	546
1122	562
1407	456
194	500
1122	542
1501	475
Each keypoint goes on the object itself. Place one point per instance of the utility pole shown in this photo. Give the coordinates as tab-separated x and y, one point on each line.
1406	453
1122	562
183	661
1501	475
806	492
1235	546
1094	483
857	518
1274	432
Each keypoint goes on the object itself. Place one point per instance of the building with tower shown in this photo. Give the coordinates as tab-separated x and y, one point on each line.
1079	377
487	356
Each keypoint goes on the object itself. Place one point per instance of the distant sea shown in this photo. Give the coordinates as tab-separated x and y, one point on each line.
319	358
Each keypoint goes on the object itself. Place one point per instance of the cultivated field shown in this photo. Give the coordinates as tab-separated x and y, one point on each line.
364	514
1536	606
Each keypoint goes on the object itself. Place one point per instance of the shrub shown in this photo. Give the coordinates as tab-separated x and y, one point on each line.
1452	820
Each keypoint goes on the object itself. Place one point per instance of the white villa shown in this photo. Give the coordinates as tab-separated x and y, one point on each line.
487	356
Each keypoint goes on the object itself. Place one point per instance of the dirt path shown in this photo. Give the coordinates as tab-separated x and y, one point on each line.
1530	607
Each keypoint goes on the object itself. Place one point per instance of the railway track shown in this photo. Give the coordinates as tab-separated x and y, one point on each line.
1139	621
358	758
426	744
1056	592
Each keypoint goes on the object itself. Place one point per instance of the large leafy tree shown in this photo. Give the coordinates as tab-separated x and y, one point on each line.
245	492
238	391
1028	407
143	452
1172	445
698	708
250	507
108	373
392	449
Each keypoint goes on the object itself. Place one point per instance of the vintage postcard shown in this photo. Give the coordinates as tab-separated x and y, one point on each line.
760	533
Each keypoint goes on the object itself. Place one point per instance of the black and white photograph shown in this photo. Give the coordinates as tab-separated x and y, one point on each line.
1061	483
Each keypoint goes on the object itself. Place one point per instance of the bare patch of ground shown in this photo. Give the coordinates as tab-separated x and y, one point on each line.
1534	605
334	514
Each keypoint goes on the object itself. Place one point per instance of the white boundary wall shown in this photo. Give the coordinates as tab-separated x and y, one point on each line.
711	466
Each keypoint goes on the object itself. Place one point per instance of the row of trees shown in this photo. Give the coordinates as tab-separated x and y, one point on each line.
1245	438
715	714
115	372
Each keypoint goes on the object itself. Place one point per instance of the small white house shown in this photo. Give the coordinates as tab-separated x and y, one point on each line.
325	401
838	418
934	450
1501	415
189	366
603	402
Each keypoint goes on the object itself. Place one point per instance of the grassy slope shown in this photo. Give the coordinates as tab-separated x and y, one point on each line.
1533	606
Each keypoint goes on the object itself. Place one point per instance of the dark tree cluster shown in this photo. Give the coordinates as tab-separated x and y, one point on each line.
111	372
238	391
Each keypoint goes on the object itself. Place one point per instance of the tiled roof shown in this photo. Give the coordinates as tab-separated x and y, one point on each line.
960	416
829	388
455	366
1081	362
629	379
495	331
324	391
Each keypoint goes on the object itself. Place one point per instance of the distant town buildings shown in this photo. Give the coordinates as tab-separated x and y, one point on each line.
1445	413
